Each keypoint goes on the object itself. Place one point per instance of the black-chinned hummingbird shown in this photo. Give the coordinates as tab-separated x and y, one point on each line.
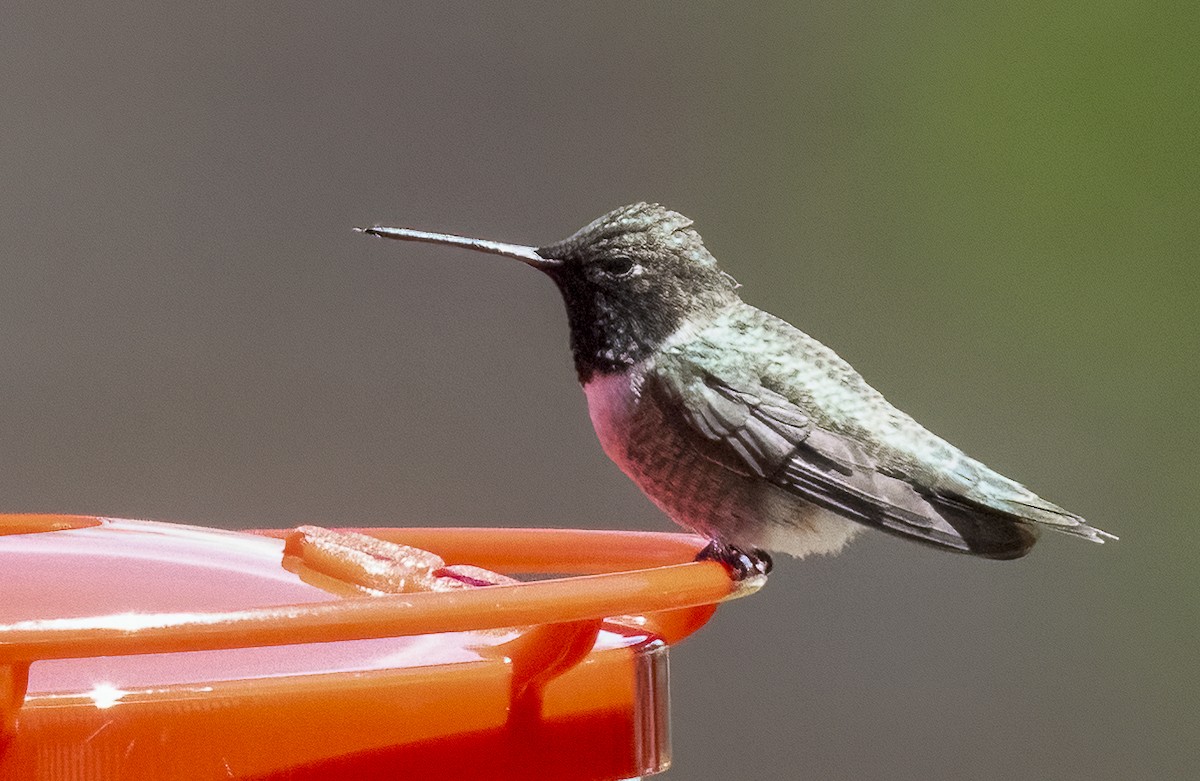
740	426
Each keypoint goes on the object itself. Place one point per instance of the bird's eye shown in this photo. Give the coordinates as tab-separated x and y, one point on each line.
617	266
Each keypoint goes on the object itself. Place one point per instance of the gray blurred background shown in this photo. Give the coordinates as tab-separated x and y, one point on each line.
991	213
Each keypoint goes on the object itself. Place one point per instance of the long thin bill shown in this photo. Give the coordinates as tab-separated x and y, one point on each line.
520	252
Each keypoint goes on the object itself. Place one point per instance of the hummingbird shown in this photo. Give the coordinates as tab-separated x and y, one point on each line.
743	428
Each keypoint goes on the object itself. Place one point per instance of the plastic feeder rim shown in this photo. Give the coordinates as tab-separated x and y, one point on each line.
133	649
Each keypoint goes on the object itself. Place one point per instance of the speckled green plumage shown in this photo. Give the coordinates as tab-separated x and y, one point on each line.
752	346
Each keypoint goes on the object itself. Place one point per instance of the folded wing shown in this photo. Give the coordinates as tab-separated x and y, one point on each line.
755	431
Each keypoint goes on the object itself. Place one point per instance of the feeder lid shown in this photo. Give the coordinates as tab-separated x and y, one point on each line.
133	649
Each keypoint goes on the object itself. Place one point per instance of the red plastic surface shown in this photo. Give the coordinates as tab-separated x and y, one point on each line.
132	649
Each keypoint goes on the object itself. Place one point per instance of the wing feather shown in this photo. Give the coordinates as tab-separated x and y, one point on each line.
756	431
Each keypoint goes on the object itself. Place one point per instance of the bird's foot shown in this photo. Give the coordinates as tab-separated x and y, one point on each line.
742	563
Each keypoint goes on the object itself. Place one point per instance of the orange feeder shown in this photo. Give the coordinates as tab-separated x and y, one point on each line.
141	650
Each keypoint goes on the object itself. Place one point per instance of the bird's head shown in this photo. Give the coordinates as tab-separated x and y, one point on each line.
629	279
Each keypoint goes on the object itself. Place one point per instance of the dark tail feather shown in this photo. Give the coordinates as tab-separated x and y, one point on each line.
990	535
961	528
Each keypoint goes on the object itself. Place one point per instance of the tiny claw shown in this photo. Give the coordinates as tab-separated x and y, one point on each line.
742	564
765	562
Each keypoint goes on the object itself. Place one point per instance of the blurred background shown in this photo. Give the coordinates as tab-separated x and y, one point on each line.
990	212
